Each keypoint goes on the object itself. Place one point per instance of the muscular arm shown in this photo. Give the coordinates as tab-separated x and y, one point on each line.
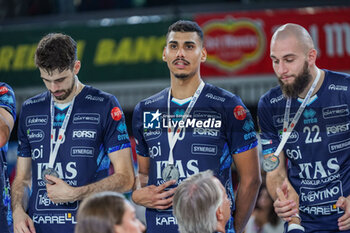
6	125
278	179
248	168
20	195
121	181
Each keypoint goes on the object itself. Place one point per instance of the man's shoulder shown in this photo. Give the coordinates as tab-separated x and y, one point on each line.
273	96
219	96
36	100
155	99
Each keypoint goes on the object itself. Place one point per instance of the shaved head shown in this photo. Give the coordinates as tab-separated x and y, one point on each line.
296	31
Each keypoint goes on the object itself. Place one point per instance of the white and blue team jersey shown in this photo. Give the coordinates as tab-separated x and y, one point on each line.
318	149
8	102
219	126
96	127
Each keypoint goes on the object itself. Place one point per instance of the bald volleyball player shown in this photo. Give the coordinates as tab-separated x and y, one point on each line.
305	120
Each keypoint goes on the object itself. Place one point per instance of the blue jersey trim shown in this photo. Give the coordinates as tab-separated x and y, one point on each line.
119	147
247	147
269	151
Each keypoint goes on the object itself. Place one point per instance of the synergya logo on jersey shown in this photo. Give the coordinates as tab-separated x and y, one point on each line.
335	111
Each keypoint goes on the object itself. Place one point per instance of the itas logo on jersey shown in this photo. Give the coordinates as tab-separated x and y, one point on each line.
84	134
151	120
309	115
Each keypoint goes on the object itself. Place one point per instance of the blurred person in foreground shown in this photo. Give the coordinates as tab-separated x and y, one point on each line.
107	212
68	137
190	127
201	205
306	121
7	120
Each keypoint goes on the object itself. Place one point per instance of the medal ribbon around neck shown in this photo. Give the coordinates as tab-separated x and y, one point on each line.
173	137
61	132
287	131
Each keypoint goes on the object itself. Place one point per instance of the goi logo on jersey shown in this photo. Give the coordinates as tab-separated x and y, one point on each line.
37	153
335	111
84	134
309	115
151	120
37	120
155	151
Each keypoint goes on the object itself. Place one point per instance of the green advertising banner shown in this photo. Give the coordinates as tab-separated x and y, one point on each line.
113	52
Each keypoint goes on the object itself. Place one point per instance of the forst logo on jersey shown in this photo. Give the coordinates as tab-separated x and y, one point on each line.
151	120
84	134
233	44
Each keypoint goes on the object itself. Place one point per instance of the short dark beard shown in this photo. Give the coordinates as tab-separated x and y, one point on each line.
67	92
184	76
300	83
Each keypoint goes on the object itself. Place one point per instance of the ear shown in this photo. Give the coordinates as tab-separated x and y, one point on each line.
219	214
76	67
312	56
203	55
163	56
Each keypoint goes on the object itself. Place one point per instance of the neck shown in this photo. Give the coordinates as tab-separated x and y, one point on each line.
313	73
184	88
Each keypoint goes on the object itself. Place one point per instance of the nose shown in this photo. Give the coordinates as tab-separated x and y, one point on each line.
54	86
281	68
180	52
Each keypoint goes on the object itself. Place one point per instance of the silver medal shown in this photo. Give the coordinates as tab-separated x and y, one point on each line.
271	163
49	171
170	172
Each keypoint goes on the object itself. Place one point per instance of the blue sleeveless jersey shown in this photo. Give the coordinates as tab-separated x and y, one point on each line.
96	127
318	149
219	125
8	102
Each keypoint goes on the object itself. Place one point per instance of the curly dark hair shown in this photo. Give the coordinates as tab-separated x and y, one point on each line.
56	51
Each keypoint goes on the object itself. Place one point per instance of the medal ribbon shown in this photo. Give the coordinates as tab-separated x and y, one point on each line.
61	132
288	130
173	137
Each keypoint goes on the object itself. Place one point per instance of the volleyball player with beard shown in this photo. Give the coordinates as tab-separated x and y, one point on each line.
306	121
